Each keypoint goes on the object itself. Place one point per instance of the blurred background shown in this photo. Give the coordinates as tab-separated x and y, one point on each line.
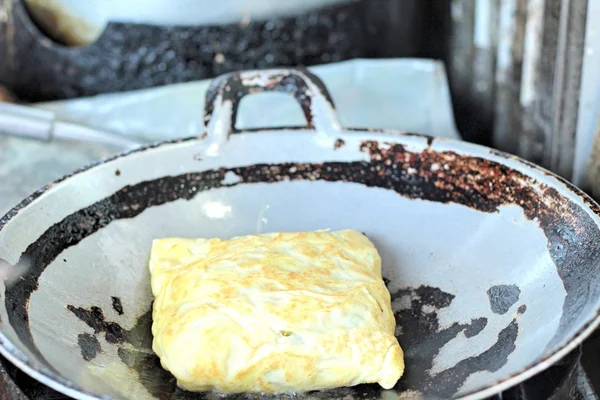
522	76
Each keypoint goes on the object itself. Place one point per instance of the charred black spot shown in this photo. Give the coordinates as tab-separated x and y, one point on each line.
338	144
89	345
146	364
503	297
433	297
422	339
117	305
477	325
117	173
522	309
113	332
140	336
485	185
449	381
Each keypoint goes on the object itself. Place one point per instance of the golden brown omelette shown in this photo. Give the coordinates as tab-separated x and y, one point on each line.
278	312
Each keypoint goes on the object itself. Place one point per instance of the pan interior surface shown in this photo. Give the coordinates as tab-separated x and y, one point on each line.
492	264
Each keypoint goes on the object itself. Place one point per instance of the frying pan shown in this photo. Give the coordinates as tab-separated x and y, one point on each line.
492	263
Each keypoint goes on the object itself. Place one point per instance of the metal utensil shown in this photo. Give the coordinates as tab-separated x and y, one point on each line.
34	123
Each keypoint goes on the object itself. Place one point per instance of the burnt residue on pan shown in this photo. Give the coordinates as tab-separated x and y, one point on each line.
89	345
126	203
490	360
113	332
416	310
443	177
503	297
94	318
421	338
485	185
117	305
522	309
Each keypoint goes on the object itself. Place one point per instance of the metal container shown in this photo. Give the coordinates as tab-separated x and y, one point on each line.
492	262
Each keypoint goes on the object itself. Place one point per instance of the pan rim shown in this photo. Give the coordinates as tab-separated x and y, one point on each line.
63	385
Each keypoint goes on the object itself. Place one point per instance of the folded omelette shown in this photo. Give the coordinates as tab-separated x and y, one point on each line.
272	313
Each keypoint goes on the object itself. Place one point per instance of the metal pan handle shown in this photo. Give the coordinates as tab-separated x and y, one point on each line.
225	93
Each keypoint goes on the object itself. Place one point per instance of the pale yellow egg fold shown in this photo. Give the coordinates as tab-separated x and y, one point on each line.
279	312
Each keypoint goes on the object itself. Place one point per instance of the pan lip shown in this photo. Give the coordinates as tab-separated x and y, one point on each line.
49	379
65	386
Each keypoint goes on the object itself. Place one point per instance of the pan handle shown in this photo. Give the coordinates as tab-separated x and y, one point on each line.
226	91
